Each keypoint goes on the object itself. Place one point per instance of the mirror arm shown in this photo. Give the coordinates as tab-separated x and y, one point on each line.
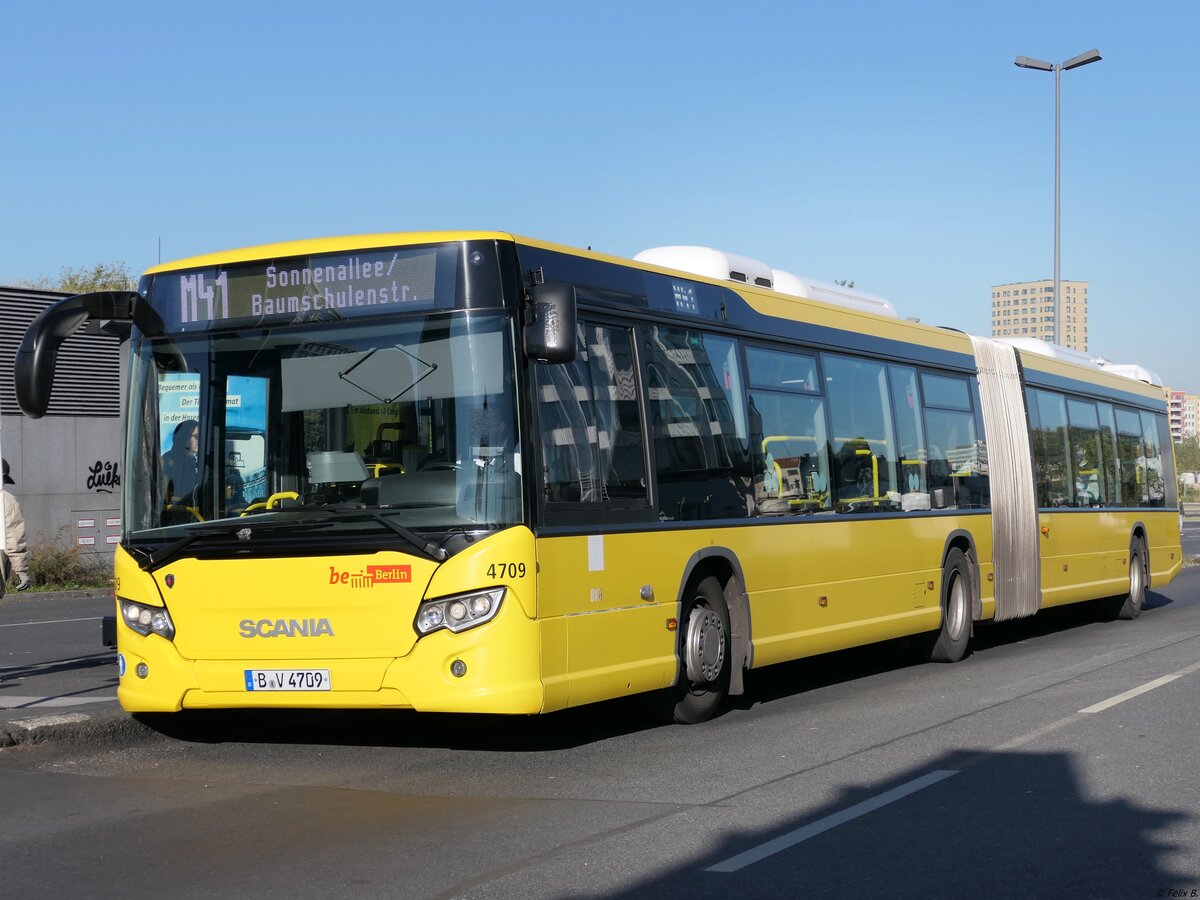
33	370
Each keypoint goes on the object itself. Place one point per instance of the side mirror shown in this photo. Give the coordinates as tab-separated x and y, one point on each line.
550	337
33	369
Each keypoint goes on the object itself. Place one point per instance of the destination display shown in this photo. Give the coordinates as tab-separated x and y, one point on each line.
319	288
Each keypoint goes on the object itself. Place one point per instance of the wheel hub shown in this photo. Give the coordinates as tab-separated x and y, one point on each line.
957	608
705	646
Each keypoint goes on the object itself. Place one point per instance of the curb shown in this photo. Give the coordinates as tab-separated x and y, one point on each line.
110	727
13	598
85	594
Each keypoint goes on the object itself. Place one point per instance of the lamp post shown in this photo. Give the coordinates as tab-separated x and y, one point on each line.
1074	62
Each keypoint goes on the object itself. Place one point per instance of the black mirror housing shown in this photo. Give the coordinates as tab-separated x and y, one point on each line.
550	336
33	369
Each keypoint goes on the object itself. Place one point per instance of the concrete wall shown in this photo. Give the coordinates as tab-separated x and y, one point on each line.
67	465
68	472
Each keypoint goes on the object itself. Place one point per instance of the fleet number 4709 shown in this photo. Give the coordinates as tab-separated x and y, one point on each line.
506	570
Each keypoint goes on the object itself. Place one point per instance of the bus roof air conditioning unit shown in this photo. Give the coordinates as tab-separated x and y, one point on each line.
837	294
722	266
1054	351
1132	370
710	263
1066	354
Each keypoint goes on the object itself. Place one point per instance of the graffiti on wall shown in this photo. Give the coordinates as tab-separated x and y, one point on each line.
103	476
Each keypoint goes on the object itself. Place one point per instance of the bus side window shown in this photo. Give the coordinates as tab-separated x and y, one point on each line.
863	443
1166	459
788	438
1086	469
565	413
621	457
1131	460
698	419
590	421
913	459
1109	455
956	456
1156	485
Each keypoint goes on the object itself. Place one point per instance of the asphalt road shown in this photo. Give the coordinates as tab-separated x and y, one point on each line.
1057	760
1191	537
52	663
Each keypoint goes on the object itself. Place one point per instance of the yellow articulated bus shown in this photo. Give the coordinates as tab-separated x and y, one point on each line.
474	472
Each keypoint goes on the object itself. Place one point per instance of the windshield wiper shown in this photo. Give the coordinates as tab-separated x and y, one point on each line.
307	517
156	558
167	553
428	548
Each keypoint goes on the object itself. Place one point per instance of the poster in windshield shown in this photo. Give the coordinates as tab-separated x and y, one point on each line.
300	289
244	451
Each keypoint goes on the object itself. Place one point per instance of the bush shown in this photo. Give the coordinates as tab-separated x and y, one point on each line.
59	565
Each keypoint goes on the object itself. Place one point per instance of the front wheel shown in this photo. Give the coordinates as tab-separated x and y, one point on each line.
957	600
706	653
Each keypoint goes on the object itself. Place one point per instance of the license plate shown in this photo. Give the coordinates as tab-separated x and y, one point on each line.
287	680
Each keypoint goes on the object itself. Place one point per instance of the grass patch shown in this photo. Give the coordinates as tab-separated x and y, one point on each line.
57	564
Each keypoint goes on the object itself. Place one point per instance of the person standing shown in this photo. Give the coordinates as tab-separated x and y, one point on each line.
16	553
180	463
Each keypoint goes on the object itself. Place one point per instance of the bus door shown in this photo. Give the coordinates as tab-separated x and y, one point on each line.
604	638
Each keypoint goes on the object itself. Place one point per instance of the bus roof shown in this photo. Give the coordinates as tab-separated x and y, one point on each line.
313	246
1079	358
758	281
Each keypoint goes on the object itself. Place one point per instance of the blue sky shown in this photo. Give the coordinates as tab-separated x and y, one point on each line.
894	144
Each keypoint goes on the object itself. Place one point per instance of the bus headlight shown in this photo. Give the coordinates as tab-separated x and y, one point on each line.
147	620
458	613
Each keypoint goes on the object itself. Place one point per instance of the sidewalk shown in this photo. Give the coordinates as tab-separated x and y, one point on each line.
57	680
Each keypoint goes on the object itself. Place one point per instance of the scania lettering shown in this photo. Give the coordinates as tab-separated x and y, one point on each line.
269	628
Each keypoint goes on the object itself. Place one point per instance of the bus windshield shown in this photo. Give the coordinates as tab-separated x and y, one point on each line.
406	422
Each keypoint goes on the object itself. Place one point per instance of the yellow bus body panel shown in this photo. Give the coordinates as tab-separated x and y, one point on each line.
826	585
1085	554
374	656
814	585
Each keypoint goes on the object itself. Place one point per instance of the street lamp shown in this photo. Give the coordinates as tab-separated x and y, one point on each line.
1074	62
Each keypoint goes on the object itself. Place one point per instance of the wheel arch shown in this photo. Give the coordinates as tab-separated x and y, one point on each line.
961	539
723	564
1139	532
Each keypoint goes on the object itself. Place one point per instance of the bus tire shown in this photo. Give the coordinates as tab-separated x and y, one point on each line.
1129	606
705	652
951	642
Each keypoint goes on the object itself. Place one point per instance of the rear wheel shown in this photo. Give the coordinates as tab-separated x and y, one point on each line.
951	642
1129	606
704	649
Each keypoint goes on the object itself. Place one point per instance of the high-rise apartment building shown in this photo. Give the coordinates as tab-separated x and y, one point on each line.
1183	410
1026	309
1175	413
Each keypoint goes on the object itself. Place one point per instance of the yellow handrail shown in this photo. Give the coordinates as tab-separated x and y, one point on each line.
874	470
195	512
271	501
